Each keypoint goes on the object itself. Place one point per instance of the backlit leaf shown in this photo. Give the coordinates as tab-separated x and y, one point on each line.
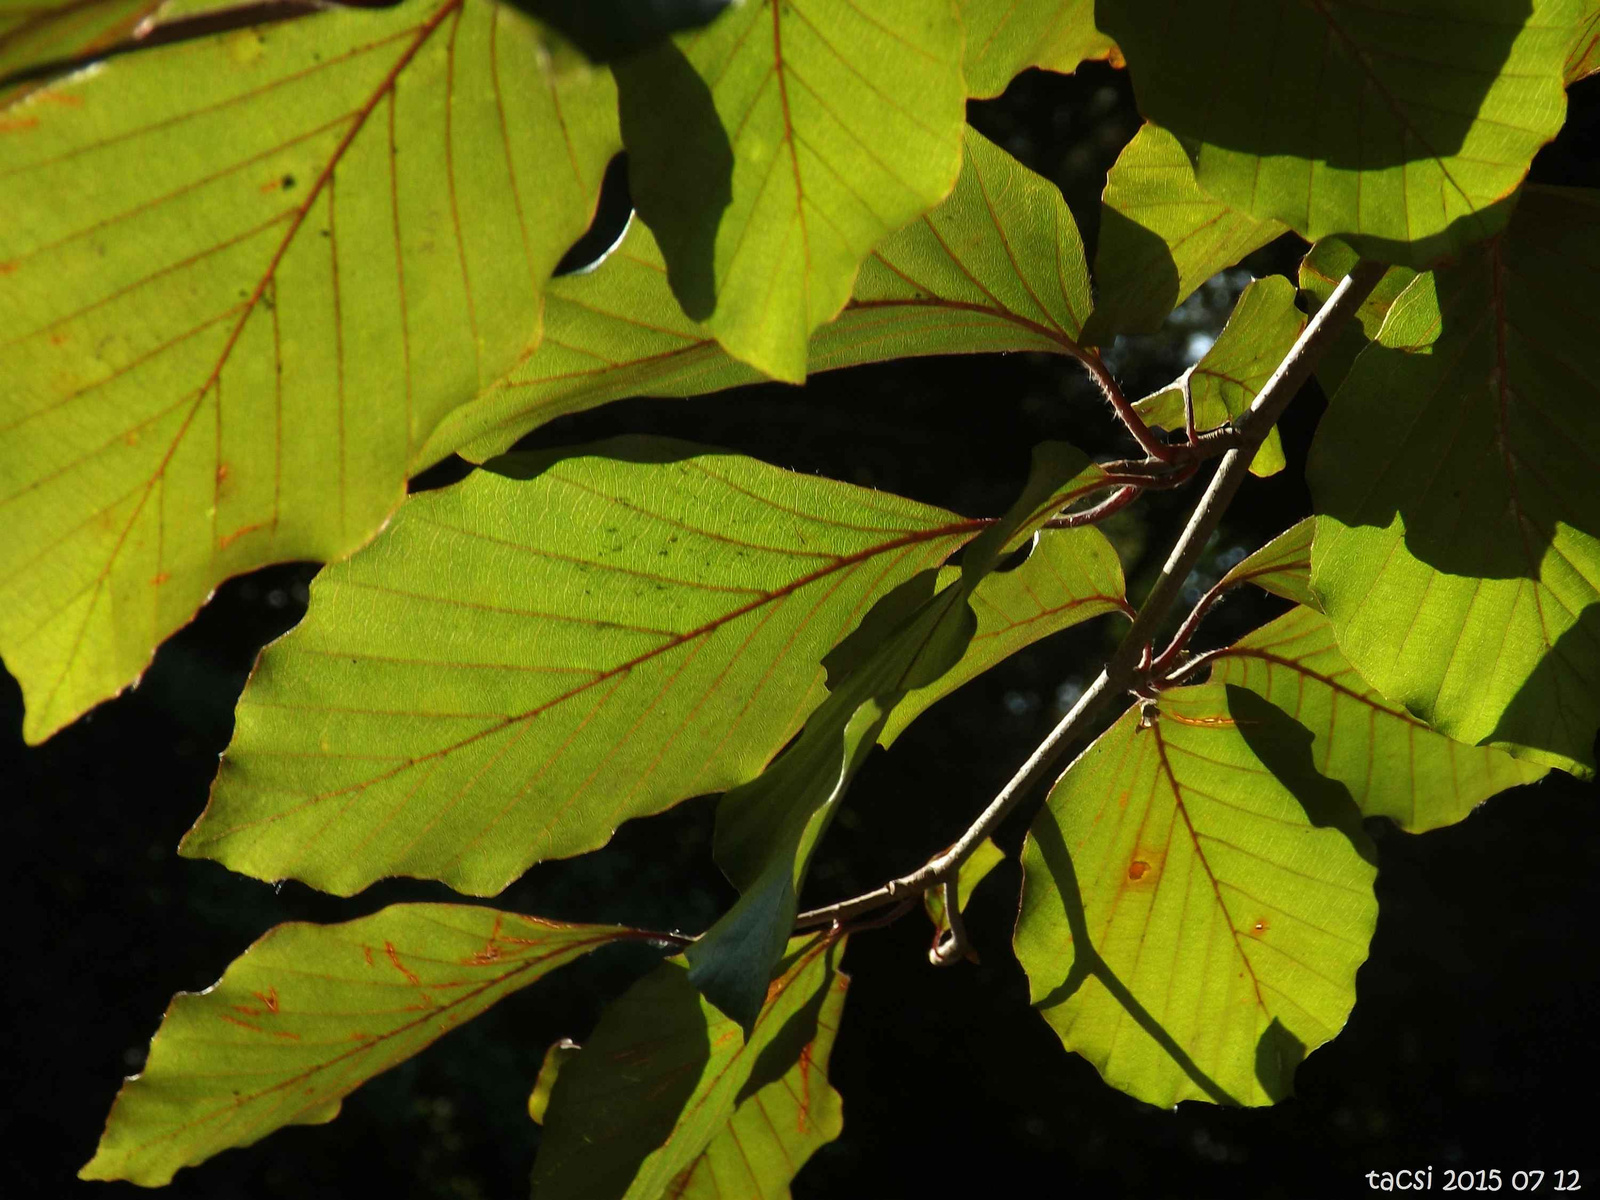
1005	37
37	32
1457	548
525	660
1282	566
1583	57
311	1012
1401	125
973	871
1262	329
1071	576
768	827
661	1092
1186	926
242	279
1328	262
998	266
1160	237
770	152
1392	763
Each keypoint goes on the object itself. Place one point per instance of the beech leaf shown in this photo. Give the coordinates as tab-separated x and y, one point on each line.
556	644
660	1089
244	278
1457	547
772	150
311	1012
1005	37
1405	130
1192	920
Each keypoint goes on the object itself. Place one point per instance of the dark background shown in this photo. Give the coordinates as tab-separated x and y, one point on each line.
1472	1043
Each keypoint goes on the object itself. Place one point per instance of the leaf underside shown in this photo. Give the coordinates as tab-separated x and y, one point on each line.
1185	925
311	1012
1405	131
242	279
1469	592
527	659
1005	37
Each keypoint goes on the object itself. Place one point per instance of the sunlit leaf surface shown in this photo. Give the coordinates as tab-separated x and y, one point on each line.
241	281
773	150
1402	125
668	1097
1282	566
1160	237
525	660
311	1012
1005	37
1392	764
1458	548
1186	926
998	266
37	32
1328	262
1262	328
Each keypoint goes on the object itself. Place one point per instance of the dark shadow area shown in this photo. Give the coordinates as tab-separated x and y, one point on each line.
612	213
657	1028
1142	257
1278	1055
607	30
1087	963
680	167
1349	119
1562	695
786	1046
1284	747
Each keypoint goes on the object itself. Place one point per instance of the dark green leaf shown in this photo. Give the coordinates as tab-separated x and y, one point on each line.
1329	261
1405	129
1458	548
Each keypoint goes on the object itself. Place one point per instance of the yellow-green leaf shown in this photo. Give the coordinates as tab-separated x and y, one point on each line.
1457	547
311	1012
664	1091
1282	566
34	33
998	266
1262	328
1328	262
1186	924
1403	126
1160	237
770	152
973	871
1005	37
1392	763
242	279
558	643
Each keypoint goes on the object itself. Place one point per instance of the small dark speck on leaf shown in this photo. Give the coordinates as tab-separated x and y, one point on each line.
288	182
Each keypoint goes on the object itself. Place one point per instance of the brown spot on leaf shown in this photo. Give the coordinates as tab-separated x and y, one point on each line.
159	578
1137	868
1259	927
18	124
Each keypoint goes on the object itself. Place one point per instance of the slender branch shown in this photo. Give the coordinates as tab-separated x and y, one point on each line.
952	946
1142	433
1131	658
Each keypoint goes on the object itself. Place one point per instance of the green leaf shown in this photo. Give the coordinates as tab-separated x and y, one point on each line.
1328	262
666	1087
1186	926
245	277
558	643
1160	237
1070	576
1583	56
1456	548
1006	37
972	872
1393	764
37	32
311	1012
998	266
772	151
1406	130
557	1056
1282	566
767	828
1261	330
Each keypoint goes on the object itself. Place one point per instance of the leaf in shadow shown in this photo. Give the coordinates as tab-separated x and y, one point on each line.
681	166
610	30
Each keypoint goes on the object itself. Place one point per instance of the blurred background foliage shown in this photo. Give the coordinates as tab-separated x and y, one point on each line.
1474	1016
